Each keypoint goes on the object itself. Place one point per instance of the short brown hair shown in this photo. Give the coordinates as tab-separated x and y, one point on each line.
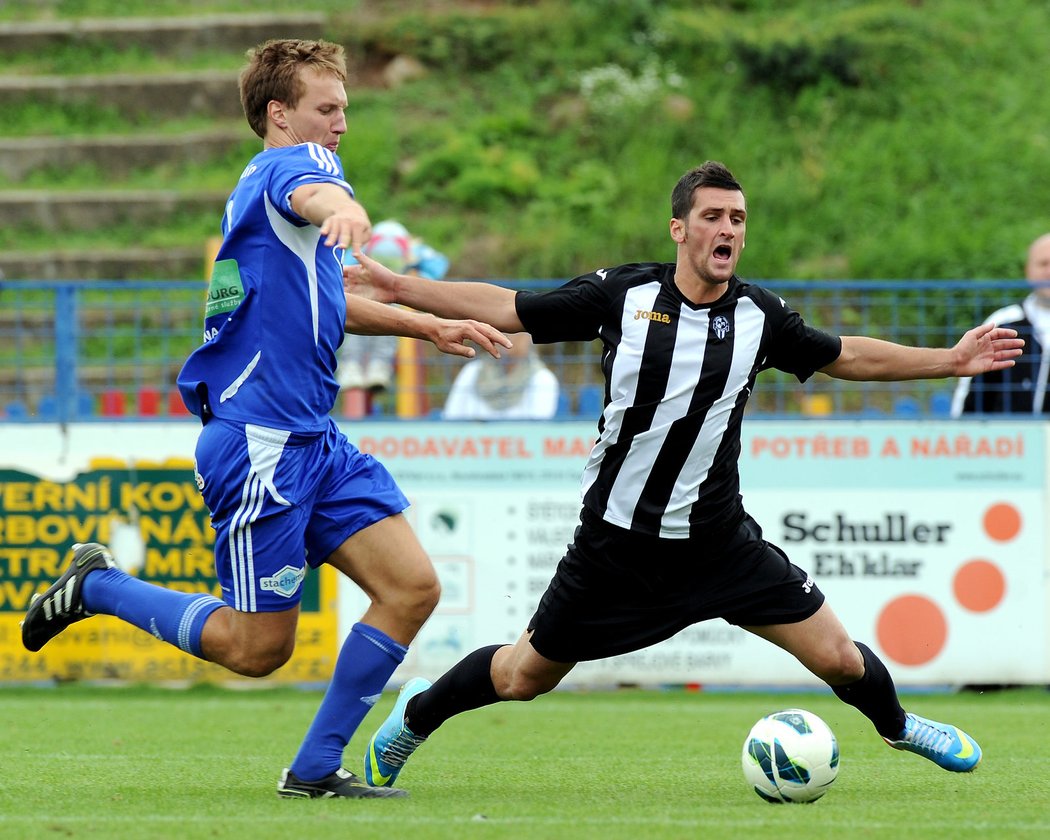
708	174
274	72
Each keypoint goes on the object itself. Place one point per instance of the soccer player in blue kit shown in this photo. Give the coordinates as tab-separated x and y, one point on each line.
285	487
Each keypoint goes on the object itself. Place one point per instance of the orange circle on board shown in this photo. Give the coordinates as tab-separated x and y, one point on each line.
979	585
1002	522
911	630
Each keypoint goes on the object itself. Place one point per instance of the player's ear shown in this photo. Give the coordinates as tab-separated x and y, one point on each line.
677	231
275	111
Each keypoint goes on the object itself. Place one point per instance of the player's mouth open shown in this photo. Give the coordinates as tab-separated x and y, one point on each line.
723	252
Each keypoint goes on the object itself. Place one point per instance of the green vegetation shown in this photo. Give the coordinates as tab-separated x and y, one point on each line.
875	139
102	56
62	9
203	763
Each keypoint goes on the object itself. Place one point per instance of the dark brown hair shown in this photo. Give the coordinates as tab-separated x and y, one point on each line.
708	174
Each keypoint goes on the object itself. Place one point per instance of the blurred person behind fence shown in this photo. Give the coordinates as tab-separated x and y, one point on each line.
368	361
516	386
1020	389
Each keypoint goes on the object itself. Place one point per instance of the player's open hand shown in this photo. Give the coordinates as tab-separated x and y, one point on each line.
986	348
370	279
347	228
452	336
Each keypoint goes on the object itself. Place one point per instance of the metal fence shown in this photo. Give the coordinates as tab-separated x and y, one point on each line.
112	349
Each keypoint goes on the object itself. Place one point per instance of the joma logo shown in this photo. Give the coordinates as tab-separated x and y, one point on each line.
645	314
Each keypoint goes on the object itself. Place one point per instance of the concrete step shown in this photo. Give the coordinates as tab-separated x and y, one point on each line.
118	154
211	93
92	209
177	36
125	264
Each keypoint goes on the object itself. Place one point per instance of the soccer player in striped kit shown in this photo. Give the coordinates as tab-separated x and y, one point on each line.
286	489
664	540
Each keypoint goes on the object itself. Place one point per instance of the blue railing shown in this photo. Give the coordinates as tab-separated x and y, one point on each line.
111	349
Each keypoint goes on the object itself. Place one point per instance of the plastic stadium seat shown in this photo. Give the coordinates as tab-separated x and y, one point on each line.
85	405
907	407
176	407
941	404
16	410
114	403
47	407
148	400
591	401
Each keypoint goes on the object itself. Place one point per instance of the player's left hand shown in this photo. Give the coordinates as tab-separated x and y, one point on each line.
986	348
370	279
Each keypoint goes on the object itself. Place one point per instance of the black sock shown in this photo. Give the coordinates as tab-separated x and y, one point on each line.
466	685
874	695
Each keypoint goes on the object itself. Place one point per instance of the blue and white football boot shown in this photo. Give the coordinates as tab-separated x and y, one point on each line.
393	742
941	743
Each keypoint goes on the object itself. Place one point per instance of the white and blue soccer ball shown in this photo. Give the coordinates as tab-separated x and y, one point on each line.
790	756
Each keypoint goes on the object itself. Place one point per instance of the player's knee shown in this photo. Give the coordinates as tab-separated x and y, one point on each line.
841	664
420	598
525	687
261	660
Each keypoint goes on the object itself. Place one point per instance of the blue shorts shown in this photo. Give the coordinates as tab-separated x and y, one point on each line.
281	501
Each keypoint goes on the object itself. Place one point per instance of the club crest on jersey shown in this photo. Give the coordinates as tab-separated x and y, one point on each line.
720	326
645	314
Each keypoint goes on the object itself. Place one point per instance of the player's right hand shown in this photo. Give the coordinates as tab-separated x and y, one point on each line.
452	336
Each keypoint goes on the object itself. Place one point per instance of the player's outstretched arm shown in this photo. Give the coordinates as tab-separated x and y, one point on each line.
982	349
368	317
342	220
445	298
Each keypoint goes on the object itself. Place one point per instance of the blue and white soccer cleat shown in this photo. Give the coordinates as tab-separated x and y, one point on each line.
393	742
941	743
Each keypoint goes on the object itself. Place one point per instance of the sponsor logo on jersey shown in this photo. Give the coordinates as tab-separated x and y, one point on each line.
646	315
226	290
285	583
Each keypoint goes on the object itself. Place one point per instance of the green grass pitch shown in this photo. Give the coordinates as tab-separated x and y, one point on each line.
144	762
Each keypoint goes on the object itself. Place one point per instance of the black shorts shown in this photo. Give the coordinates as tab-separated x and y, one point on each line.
616	591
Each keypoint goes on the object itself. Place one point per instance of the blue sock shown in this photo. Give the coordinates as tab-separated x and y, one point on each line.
363	668
174	617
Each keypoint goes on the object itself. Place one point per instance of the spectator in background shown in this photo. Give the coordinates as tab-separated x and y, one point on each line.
516	386
367	361
1020	389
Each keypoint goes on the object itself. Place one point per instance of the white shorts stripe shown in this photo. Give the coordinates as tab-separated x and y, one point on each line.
241	543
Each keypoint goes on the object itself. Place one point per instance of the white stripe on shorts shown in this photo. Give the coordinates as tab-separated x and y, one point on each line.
241	556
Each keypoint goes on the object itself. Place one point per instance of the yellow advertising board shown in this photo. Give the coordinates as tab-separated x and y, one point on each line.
155	521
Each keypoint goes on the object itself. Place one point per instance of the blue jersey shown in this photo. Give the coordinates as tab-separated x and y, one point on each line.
275	310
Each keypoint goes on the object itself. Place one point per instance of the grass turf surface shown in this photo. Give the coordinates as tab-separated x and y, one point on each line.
145	762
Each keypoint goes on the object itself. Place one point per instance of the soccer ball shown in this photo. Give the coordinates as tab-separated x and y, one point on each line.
790	756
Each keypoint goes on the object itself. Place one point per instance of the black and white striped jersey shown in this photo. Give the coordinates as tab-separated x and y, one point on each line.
677	378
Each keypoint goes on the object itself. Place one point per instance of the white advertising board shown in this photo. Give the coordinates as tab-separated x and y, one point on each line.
928	538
